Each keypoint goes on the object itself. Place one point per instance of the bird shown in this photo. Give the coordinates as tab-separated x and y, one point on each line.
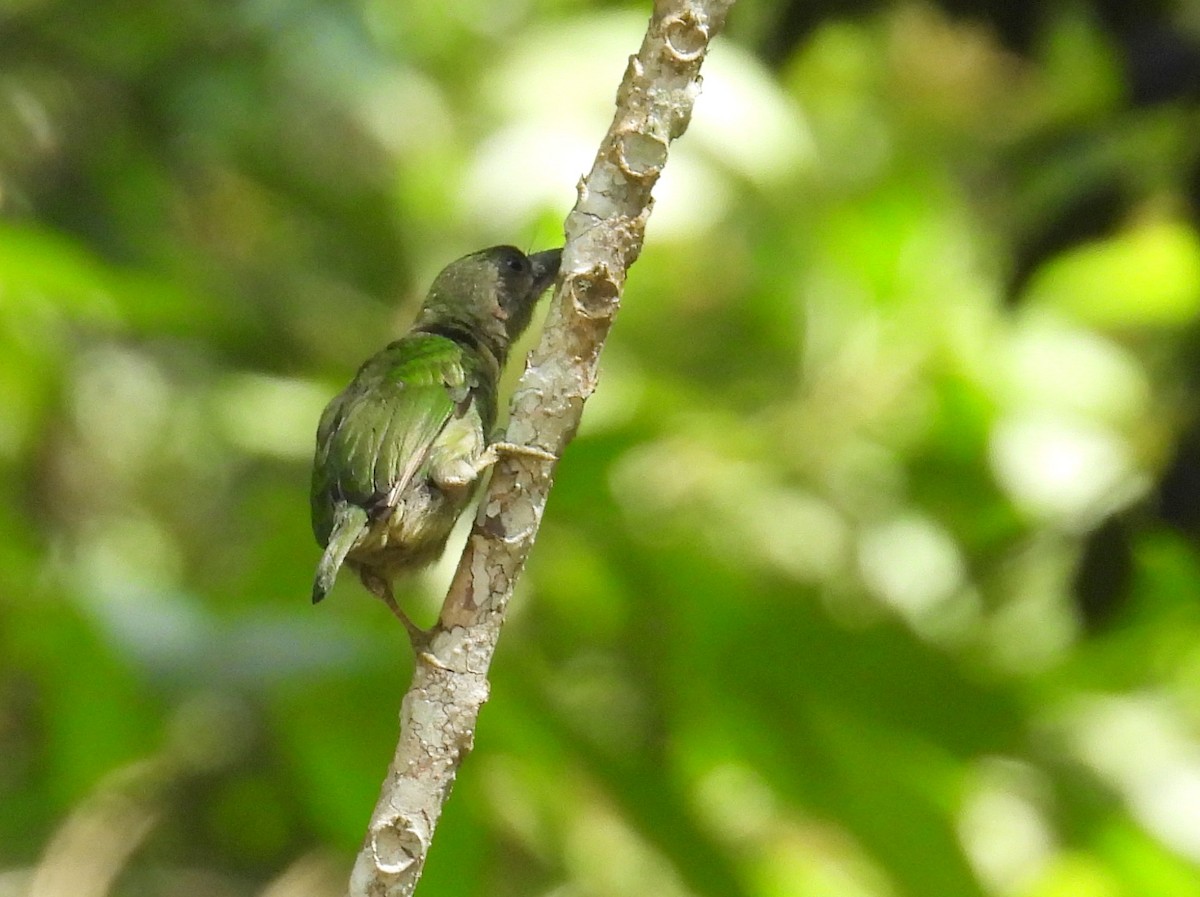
401	449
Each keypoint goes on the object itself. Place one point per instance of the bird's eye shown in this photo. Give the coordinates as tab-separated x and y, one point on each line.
516	263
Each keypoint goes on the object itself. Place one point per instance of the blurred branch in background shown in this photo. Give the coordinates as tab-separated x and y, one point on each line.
93	845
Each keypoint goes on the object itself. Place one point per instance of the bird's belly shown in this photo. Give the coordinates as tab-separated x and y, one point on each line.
411	533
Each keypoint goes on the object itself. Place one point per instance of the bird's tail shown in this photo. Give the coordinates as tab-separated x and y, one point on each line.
349	524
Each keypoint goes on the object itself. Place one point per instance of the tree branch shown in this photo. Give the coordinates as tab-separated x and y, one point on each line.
604	237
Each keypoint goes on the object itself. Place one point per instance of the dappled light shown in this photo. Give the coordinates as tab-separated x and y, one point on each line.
872	572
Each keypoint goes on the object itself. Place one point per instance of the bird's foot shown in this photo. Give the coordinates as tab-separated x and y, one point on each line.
468	471
521	451
419	638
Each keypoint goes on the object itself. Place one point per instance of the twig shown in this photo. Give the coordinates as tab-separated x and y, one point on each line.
604	237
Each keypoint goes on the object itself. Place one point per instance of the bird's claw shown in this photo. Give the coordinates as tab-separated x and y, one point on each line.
523	451
431	659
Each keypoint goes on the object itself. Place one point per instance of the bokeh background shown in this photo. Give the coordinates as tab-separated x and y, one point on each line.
873	571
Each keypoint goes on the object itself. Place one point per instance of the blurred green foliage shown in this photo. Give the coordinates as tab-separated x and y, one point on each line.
873	571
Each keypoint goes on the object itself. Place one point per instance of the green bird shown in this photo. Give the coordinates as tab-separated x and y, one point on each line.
399	450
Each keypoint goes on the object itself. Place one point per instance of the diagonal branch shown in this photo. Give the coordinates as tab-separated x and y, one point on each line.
604	237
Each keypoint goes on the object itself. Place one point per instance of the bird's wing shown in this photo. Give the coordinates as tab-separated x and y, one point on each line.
375	437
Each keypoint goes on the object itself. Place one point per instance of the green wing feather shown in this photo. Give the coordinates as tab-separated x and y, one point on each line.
375	436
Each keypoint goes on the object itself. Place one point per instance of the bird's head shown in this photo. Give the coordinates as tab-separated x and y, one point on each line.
490	293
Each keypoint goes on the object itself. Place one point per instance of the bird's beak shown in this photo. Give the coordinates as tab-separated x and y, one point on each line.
545	269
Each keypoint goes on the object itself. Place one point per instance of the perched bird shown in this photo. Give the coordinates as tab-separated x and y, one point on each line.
400	449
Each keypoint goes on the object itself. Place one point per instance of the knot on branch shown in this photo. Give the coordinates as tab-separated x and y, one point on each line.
594	293
640	156
685	36
396	844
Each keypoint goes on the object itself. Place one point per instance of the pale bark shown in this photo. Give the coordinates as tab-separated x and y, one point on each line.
603	238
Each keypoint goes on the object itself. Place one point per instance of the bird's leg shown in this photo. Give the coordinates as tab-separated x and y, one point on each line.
382	589
462	471
418	636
